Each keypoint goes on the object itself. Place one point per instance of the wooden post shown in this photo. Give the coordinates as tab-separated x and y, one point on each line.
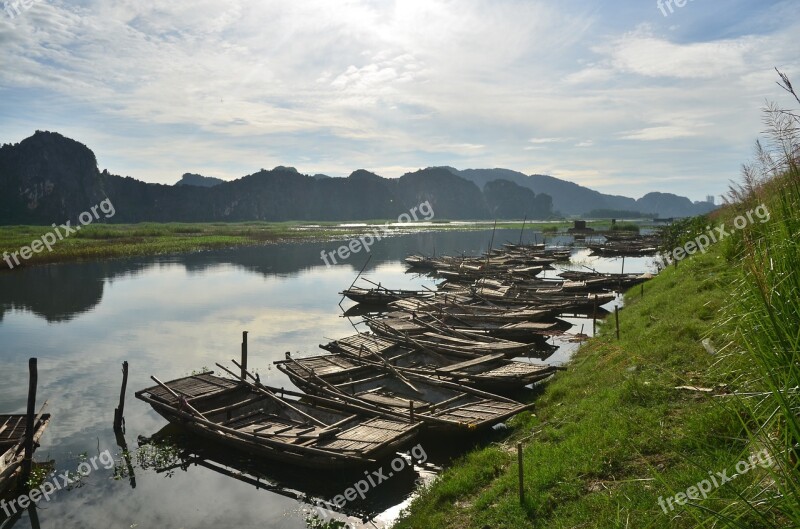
243	363
594	317
34	516
411	410
521	475
119	412
642	290
616	316
30	419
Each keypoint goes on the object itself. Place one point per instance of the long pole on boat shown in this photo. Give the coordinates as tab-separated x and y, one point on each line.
356	279
181	400
30	419
270	394
489	252
522	230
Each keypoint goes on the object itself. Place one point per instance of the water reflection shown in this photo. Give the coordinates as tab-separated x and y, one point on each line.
170	316
316	495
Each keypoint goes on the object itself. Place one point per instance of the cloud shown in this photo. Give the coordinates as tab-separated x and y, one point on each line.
547	140
665	132
226	88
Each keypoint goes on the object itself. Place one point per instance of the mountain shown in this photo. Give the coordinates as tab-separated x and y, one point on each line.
507	200
48	178
189	179
572	199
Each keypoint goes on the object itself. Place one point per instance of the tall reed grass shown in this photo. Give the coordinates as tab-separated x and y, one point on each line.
762	358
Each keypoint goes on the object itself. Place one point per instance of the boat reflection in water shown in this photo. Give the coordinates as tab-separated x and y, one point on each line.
172	450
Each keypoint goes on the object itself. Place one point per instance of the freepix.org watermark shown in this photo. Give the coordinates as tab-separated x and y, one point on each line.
365	241
664	5
14	8
372	479
49	239
704	240
715	480
46	490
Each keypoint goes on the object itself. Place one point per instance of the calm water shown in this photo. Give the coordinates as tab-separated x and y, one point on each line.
170	316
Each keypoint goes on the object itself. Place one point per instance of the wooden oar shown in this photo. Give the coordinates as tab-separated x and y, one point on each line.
185	401
270	394
391	368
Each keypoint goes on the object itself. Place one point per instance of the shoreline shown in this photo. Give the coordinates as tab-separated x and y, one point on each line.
624	426
110	241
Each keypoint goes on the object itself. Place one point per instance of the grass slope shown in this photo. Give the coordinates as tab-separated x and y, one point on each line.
612	434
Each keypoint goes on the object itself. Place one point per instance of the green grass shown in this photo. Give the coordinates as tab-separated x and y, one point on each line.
103	241
111	240
625	226
612	434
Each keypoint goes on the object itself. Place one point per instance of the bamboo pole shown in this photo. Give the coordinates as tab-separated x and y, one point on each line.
119	412
272	396
521	474
188	406
244	356
30	421
616	317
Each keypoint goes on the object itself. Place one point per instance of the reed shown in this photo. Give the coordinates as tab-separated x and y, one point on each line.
762	356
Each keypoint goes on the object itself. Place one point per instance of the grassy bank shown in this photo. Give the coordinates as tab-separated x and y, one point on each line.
613	433
702	390
103	241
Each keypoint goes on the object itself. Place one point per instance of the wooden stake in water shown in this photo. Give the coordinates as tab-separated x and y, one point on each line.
243	363
616	316
30	419
521	475
119	412
594	317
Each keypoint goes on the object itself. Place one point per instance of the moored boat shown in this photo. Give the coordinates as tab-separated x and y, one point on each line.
305	430
442	406
12	445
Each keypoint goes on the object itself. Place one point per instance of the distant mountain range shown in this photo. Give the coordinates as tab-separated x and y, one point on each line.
572	199
48	178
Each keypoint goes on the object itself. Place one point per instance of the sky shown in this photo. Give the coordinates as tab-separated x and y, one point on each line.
625	97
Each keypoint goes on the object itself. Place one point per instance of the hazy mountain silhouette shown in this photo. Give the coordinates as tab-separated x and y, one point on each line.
572	199
189	179
48	178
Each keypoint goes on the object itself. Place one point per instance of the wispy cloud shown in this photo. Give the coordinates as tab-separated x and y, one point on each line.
225	88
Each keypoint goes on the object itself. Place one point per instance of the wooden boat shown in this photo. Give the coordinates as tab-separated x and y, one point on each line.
415	324
275	478
380	295
442	406
12	445
493	373
473	345
469	312
625	280
562	300
255	419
